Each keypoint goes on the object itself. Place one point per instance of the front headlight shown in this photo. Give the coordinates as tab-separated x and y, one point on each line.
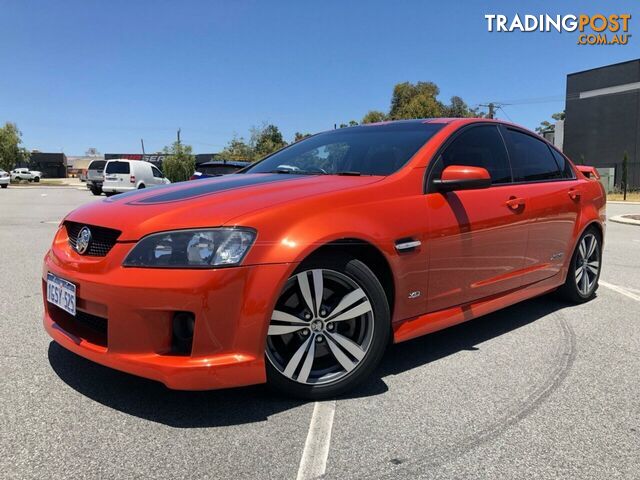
201	248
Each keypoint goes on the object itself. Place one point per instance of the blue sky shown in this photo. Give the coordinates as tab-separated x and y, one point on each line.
81	74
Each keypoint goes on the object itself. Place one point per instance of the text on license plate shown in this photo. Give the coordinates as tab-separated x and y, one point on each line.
61	293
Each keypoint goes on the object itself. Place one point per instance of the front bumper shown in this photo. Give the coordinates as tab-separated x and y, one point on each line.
232	309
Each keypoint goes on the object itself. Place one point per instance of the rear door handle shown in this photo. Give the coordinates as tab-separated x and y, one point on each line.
515	203
574	194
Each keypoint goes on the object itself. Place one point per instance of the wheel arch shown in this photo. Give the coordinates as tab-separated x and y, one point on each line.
368	254
592	223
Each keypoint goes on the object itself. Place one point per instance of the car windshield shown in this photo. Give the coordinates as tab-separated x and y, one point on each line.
363	150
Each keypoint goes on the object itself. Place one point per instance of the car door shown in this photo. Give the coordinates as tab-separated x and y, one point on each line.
547	181
476	238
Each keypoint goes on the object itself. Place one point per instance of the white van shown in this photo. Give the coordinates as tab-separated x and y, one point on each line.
122	175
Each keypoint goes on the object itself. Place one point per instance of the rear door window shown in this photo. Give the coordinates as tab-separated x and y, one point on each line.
563	164
531	158
480	146
117	168
156	173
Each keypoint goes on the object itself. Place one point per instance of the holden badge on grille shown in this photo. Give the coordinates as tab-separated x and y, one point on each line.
83	240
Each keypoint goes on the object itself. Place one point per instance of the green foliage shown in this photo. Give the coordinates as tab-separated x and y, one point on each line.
238	150
263	141
546	126
352	123
415	101
374	116
11	153
300	136
180	162
458	108
267	140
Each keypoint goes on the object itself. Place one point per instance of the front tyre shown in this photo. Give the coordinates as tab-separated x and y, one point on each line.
584	272
329	329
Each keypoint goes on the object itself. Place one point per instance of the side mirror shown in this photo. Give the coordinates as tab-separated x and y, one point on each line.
460	177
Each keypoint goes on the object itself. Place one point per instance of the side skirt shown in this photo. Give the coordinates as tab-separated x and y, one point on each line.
441	319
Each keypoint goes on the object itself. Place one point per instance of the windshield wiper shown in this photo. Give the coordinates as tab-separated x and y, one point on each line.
286	171
349	173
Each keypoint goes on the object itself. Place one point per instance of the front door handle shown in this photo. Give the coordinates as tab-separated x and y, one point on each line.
574	194
514	203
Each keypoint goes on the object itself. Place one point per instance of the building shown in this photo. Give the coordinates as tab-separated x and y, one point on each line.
52	165
77	165
602	119
155	158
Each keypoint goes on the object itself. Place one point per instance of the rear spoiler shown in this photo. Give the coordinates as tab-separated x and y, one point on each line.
589	172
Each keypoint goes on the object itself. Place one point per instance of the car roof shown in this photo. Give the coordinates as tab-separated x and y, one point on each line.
128	160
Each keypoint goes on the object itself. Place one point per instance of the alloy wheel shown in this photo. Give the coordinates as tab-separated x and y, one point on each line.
321	329
587	264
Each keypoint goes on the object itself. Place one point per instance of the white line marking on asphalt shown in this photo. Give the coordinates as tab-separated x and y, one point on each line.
620	290
316	449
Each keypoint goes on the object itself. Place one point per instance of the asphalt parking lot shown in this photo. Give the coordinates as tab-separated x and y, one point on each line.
539	390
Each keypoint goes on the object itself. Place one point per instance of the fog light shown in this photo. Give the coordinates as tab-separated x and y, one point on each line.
183	327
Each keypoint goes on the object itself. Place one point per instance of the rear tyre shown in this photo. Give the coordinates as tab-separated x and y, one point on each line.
584	271
329	329
37	179
141	186
96	191
4	185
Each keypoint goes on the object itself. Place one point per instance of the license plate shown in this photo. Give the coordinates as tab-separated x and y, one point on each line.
61	293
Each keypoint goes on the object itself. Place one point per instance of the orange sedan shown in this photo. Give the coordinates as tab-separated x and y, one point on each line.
300	269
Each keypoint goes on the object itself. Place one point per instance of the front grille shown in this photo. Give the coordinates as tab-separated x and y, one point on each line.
102	239
84	325
92	322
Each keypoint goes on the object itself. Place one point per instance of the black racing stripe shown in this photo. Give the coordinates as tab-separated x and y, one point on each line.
201	188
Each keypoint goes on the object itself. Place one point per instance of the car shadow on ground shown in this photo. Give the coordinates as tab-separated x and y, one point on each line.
152	401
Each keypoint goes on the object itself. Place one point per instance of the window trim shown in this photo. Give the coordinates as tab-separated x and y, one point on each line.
543	140
501	126
427	187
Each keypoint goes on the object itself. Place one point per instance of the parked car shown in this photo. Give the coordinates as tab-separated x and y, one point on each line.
124	175
215	168
300	270
5	178
95	176
25	174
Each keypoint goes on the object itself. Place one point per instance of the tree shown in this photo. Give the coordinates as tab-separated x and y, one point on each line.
238	149
180	162
352	123
300	136
11	153
625	174
458	108
374	116
267	140
415	101
546	126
